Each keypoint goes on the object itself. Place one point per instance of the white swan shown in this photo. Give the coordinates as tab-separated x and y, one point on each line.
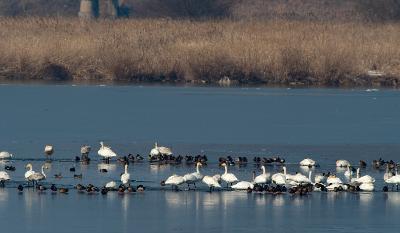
301	179
211	182
364	179
243	185
333	179
368	187
279	178
4	177
111	185
160	150
229	178
48	150
394	180
308	162
85	149
5	155
29	172
36	176
263	178
319	178
217	177
342	163
192	178
125	177
174	181
106	152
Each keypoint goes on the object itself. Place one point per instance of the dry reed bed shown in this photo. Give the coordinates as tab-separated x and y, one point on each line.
269	52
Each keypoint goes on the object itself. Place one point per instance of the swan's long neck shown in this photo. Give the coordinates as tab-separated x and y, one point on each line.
155	145
309	175
43	172
254	175
284	171
358	173
30	168
263	170
226	169
126	168
197	168
102	145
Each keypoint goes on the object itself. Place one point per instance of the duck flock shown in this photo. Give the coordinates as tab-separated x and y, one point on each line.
262	181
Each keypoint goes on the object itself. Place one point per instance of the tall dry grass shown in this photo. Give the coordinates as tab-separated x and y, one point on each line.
271	52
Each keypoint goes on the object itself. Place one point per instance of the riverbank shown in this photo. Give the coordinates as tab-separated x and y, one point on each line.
204	52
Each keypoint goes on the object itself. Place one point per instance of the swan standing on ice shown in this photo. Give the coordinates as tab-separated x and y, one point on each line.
174	181
279	178
29	172
192	178
342	163
4	177
160	150
229	178
308	162
212	182
106	152
263	178
5	155
125	177
36	176
48	151
394	180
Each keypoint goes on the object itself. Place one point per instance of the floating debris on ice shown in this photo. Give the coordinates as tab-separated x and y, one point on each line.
372	90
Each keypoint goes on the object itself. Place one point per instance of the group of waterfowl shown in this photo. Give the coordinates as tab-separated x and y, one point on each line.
280	182
298	183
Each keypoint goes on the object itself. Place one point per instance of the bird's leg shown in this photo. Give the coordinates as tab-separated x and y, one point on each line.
210	188
195	186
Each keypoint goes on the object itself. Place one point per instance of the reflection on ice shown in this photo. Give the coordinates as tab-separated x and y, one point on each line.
3	195
366	198
278	200
109	167
393	198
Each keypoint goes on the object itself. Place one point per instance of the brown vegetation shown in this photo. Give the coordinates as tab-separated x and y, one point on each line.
266	52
